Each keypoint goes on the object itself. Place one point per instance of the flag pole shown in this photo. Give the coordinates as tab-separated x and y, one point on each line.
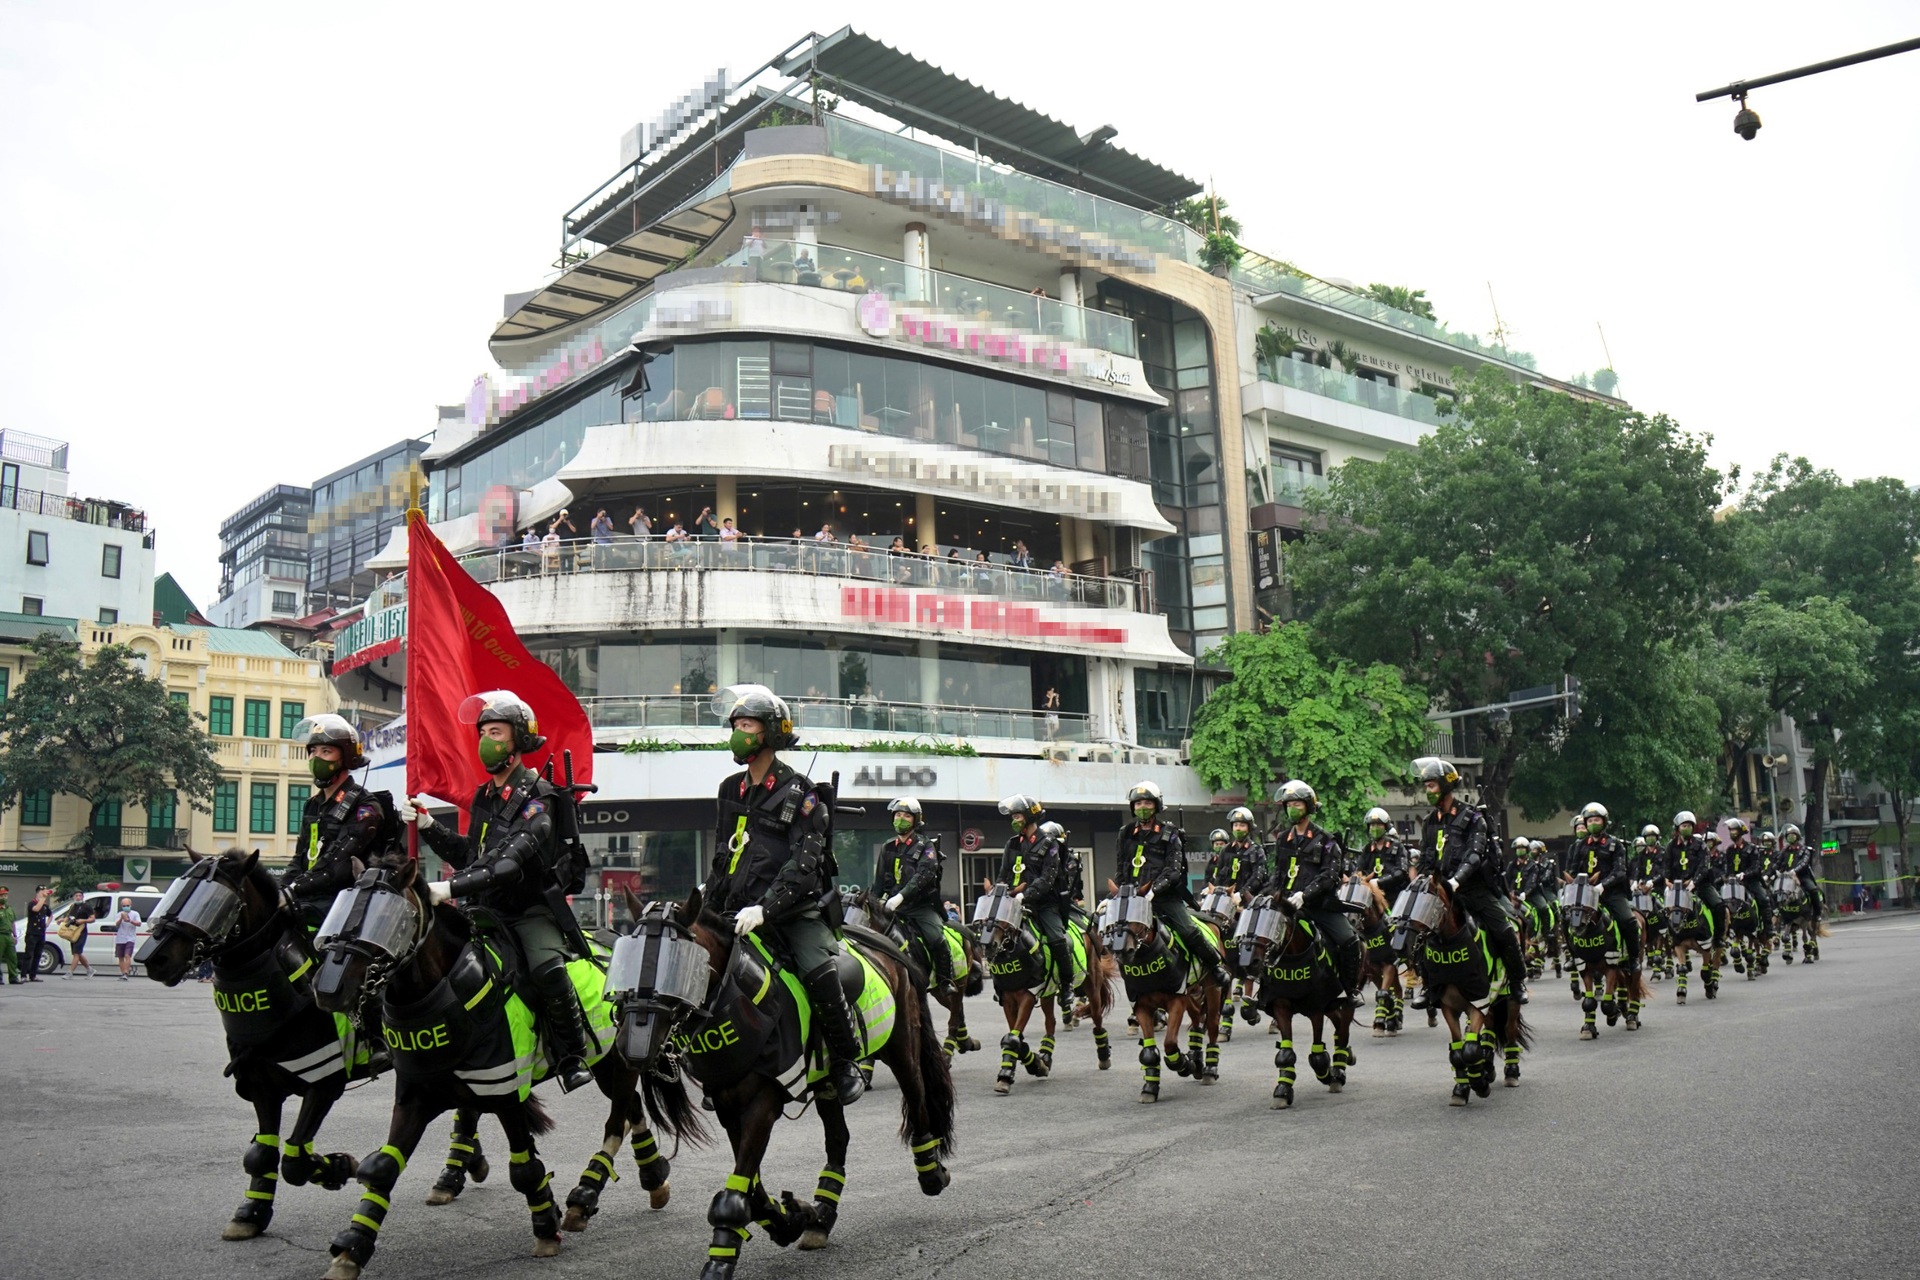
413	510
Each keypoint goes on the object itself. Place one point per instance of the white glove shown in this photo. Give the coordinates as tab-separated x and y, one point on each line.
439	891
749	919
412	814
1147	896
893	903
1297	900
1453	886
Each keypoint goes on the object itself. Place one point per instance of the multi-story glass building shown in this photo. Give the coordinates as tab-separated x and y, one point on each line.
264	555
356	508
966	443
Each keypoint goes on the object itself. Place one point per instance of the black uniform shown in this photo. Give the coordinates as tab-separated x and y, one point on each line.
1311	863
36	940
1386	861
1539	884
334	830
1747	864
1612	861
1689	861
1153	860
506	862
909	866
1799	861
1036	867
1459	846
1241	867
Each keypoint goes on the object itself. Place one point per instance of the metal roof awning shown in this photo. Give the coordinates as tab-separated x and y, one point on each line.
666	181
924	96
617	273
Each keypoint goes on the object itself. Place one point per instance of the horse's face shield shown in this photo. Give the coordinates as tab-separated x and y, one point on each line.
372	919
1419	909
198	905
1124	919
654	977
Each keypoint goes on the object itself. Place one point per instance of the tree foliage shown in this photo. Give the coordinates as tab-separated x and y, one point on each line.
1401	298
1289	712
100	730
1530	537
1206	214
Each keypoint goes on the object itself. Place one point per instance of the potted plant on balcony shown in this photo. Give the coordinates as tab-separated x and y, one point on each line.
1605	381
1271	344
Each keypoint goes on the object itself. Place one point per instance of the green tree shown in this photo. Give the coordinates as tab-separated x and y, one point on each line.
1530	537
1206	214
1886	748
1732	682
1288	712
100	730
1401	298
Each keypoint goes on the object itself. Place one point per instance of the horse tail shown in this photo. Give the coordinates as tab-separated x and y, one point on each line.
936	1086
1636	985
1518	1032
666	1103
1102	969
1821	930
539	1119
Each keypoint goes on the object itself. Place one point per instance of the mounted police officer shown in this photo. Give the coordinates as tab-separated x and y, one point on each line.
1384	859
342	820
1747	864
1797	858
1607	863
1308	866
1239	863
907	876
1456	844
508	860
1541	887
1072	888
1650	862
774	862
1692	862
1034	865
1154	861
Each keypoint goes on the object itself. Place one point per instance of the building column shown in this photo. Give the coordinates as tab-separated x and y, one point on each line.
924	532
915	253
727	656
929	670
1071	320
726	498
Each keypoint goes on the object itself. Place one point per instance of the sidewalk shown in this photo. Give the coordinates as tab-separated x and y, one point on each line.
1837	917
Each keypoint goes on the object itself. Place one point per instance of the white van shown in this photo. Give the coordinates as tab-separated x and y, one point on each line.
106	904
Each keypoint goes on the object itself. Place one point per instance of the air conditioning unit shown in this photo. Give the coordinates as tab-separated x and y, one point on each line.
1103	755
1186	750
1062	754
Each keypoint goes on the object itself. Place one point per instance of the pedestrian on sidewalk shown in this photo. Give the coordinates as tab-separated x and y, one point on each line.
6	932
126	932
37	913
79	913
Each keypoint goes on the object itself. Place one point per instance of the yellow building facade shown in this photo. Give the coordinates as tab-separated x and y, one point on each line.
245	688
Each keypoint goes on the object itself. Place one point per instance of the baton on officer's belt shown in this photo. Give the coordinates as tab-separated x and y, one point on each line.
566	821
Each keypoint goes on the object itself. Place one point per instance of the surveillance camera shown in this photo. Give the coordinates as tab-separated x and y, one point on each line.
1747	123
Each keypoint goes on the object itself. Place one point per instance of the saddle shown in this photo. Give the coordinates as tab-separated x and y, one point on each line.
758	1019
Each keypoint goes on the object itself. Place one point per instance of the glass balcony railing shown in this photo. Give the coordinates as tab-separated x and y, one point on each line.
1332	383
859	714
824	266
1290	488
1267	276
1018	193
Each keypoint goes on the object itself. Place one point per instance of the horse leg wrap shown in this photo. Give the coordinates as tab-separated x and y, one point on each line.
378	1173
1382	1009
1461	1060
826	1198
463	1157
262	1166
1150	1065
1010	1053
1284	1059
1046	1049
530	1178
962	1039
729	1215
594	1178
1344	1056
654	1167
1103	1046
1610	1007
927	1167
1213	1062
1321	1062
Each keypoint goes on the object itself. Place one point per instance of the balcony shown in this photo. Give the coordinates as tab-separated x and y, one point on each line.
1267	277
852	271
36	451
1344	387
139	837
611	716
112	515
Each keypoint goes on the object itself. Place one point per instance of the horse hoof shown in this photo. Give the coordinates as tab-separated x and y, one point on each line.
1588	1033
1003	1086
1149	1097
1458	1099
1679	997
1280	1104
1335	1086
240	1231
546	1246
440	1195
343	1268
971	1046
657	1198
576	1219
812	1238
480	1170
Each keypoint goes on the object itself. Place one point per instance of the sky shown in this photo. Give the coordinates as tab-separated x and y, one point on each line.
246	244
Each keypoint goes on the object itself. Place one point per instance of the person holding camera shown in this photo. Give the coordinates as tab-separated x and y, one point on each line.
126	932
38	912
74	929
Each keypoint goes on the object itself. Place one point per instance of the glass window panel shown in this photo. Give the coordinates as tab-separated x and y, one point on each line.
902	394
868	374
833	394
936	399
970	398
792	357
1189	344
1031	434
1196	410
1089	435
1059	406
662	400
999	424
1209	581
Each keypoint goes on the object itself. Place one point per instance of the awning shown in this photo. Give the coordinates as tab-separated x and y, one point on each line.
924	96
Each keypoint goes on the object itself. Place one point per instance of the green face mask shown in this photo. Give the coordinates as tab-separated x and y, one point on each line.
323	769
1375	830
902	824
1296	811
1595	827
494	753
1219	846
1018	822
1143	813
744	745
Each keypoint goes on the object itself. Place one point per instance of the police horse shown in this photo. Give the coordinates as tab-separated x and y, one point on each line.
1017	961
1748	941
1796	914
463	1039
1690	933
1381	958
1605	980
866	911
1463	977
695	1001
1298	974
280	1045
1160	976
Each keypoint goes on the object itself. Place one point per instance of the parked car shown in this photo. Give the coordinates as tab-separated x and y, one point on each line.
106	904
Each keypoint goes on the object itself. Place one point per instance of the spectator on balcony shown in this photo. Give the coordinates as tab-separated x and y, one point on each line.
823	561
679	546
982	572
1050	704
602	529
81	914
563	528
705	527
641	524
529	540
900	560
756	247
550	551
1057	580
1022	558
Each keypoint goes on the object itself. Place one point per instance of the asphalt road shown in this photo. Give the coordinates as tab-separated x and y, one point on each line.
1772	1132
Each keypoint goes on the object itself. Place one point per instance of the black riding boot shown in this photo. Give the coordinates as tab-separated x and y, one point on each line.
836	1032
566	1030
1062	953
1346	957
374	1033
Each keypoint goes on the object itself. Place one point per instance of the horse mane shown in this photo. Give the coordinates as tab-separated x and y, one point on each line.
258	876
1379	894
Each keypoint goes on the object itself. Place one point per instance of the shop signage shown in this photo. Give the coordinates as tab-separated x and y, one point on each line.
954	614
876	314
971	840
902	775
488	404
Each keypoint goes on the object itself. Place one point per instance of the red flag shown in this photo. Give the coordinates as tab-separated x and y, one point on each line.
459	643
